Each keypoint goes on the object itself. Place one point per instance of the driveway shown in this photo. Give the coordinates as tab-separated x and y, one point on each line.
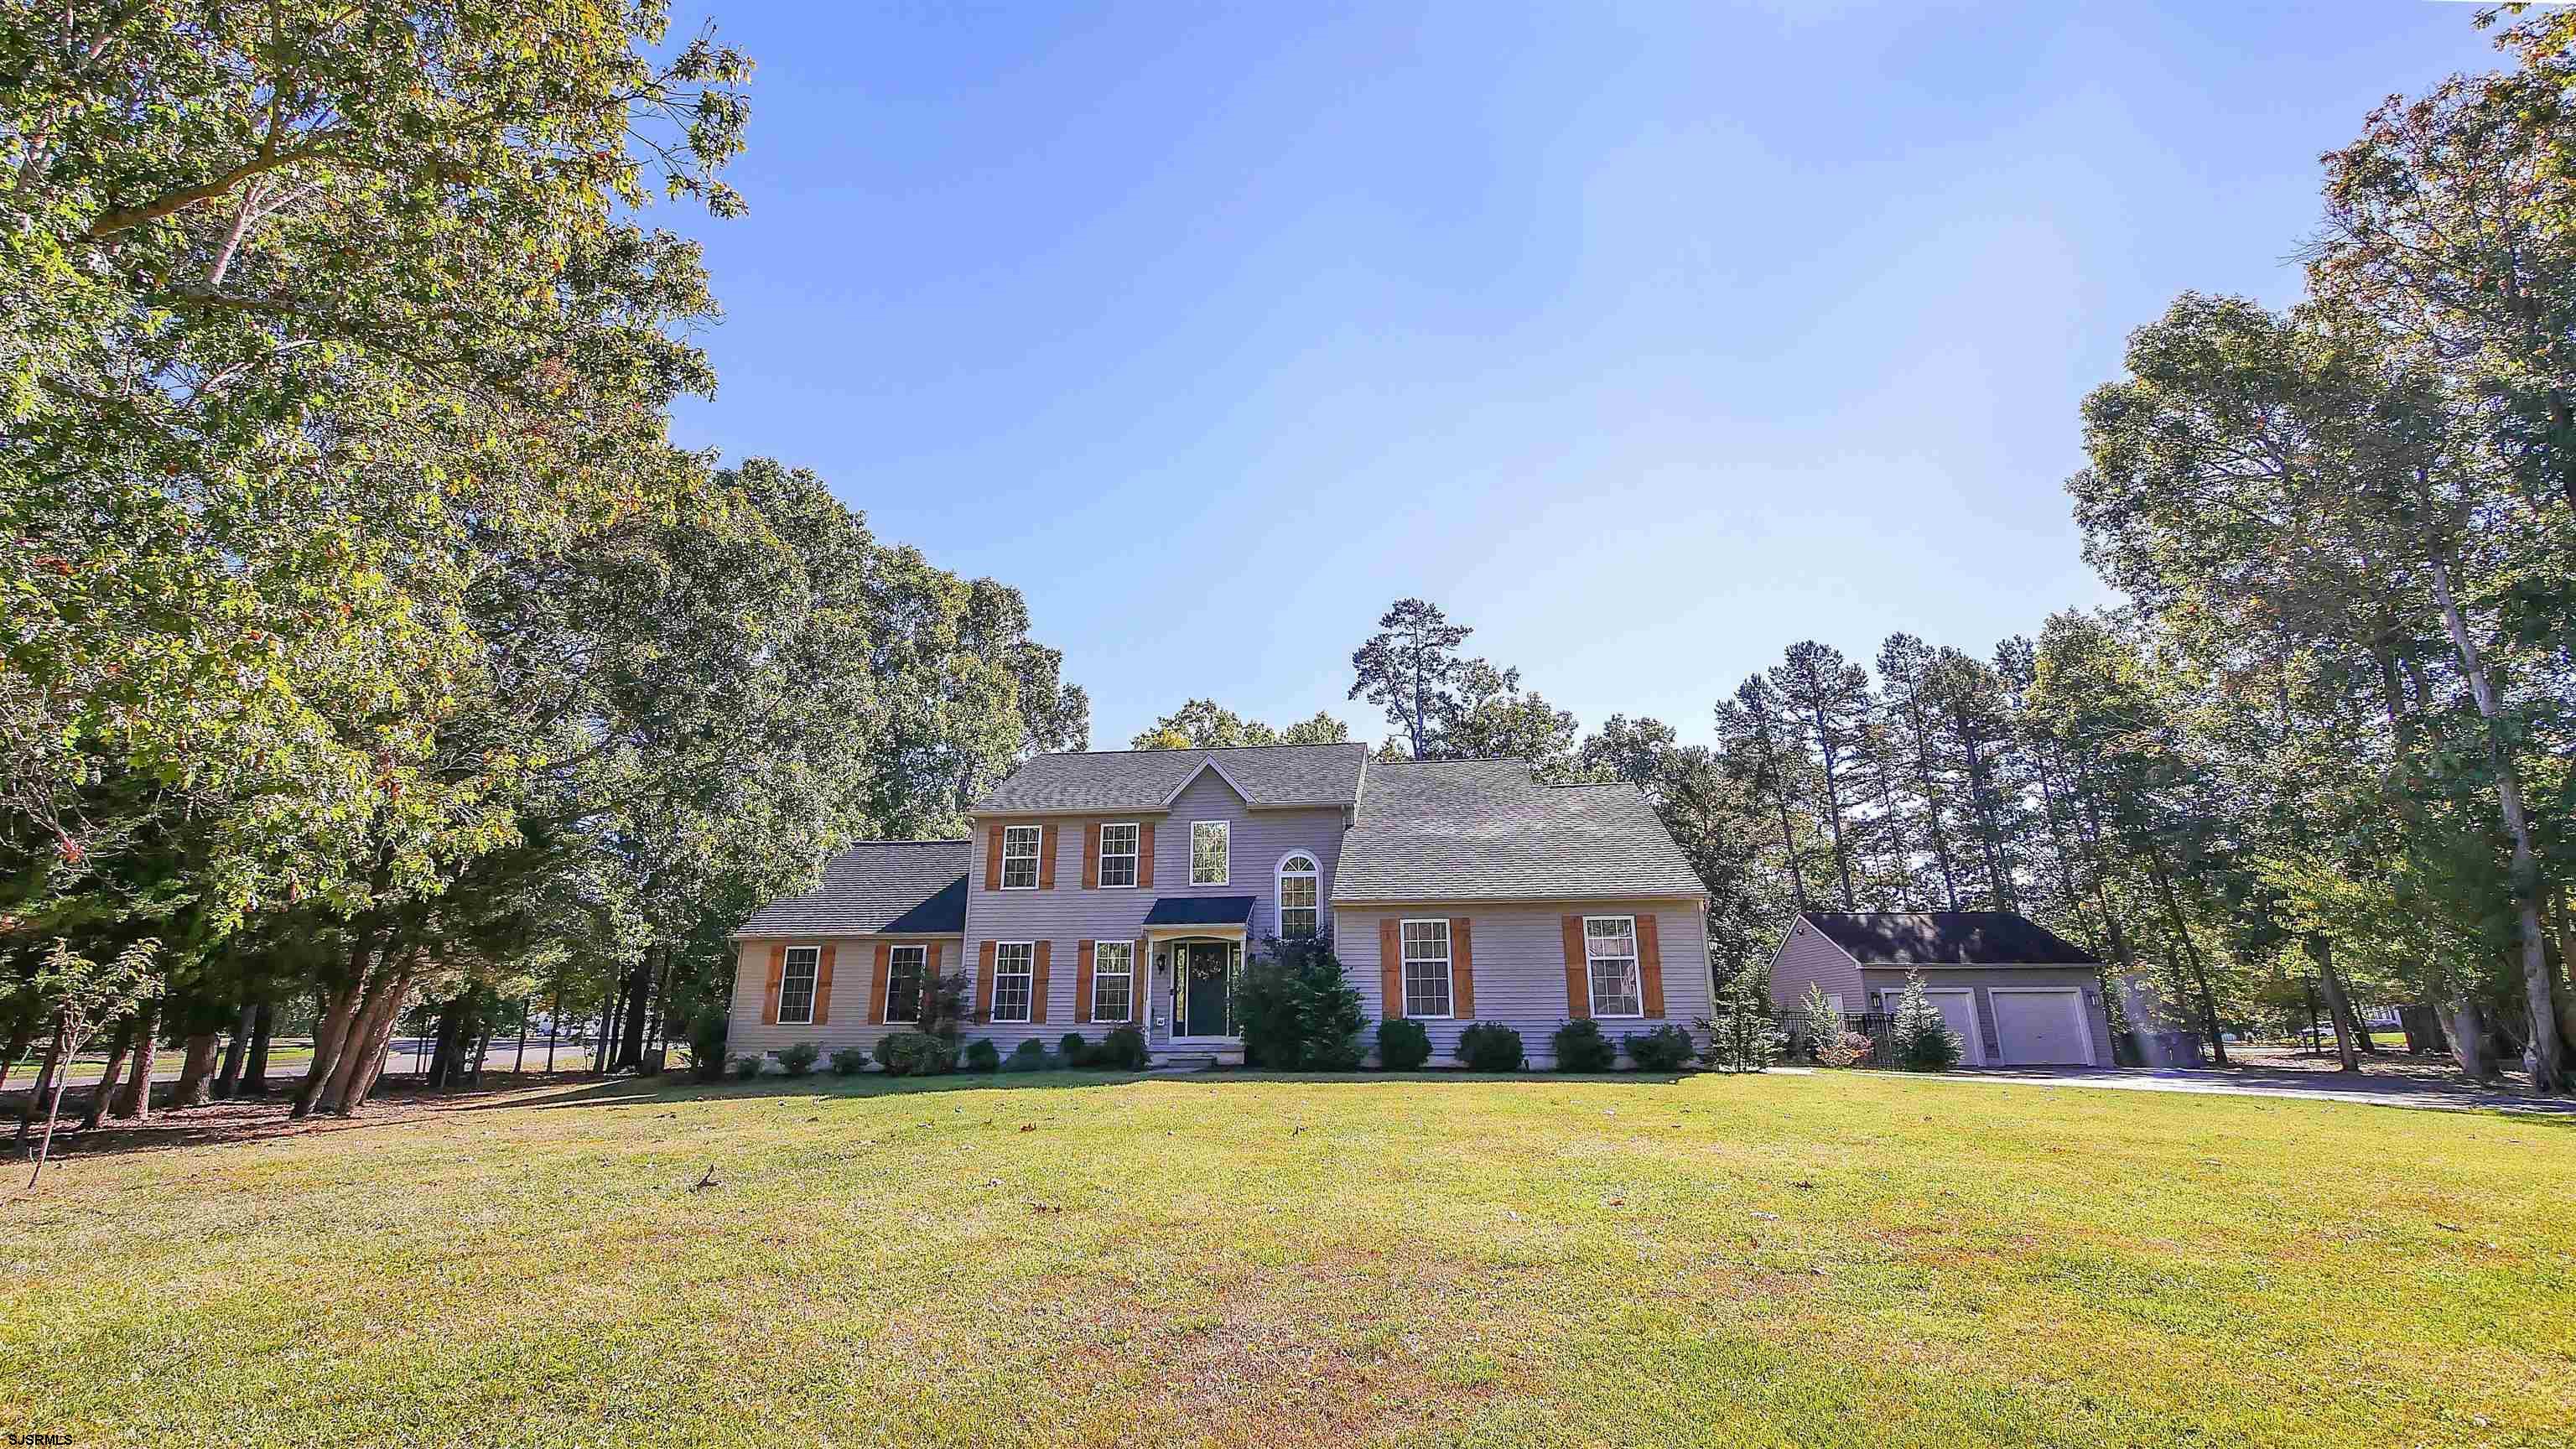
2372	1089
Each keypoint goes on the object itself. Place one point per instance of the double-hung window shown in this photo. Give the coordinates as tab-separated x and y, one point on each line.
1019	857
1610	949
1113	981
1297	911
1426	968
1117	855
1014	979
796	986
1210	857
905	967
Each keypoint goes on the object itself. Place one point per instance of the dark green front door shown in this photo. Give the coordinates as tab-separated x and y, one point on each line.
1207	992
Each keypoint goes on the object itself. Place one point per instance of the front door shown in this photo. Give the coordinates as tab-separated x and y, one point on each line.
1207	990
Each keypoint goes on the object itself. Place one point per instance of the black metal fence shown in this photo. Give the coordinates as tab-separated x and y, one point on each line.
1799	1033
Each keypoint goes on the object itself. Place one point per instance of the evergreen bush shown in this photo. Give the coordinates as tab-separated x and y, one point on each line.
1073	1051
1298	1010
799	1059
849	1062
983	1056
1028	1056
1580	1047
1490	1046
916	1053
1918	1037
748	1067
1402	1044
1667	1048
1122	1050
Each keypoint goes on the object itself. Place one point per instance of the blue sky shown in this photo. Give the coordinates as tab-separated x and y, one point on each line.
1646	339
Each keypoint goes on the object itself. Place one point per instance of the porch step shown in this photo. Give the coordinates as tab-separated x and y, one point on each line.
1190	1061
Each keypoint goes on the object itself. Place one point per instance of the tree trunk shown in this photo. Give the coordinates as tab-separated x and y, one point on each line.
135	1102
366	1061
1834	807
228	1077
2338	1010
340	1009
106	1087
46	1094
2467	1023
21	1033
196	1072
639	986
254	1080
2190	951
2546	1055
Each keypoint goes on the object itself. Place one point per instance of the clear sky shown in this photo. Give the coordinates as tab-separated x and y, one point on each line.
1645	339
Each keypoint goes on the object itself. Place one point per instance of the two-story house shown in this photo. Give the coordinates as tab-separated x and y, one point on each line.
1097	890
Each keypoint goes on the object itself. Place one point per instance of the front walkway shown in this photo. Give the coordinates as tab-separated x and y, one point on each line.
2391	1090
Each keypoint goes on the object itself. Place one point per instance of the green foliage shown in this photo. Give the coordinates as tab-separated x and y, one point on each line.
1744	1036
1667	1048
1123	1049
1203	724
1918	1037
749	1065
981	1056
798	1059
1073	1051
849	1062
917	1053
707	1041
1820	1025
1029	1056
1297	1009
1403	1044
1580	1047
1490	1046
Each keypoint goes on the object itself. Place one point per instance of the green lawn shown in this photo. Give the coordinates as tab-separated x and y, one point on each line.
1087	1260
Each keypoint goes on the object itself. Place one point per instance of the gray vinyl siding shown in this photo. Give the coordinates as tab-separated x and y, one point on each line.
1889	982
1807	957
1070	914
853	987
1518	960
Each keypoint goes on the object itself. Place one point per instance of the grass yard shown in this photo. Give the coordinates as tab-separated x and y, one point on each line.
1077	1259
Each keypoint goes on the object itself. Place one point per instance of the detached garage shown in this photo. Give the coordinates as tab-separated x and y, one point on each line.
2017	993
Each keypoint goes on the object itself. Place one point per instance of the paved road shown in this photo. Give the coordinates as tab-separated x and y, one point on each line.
2380	1091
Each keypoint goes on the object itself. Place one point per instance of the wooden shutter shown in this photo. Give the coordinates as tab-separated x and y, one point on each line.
1578	972
1145	856
992	857
877	992
777	974
1046	857
1038	986
1650	965
1082	982
823	986
984	984
1390	968
1091	855
1462	969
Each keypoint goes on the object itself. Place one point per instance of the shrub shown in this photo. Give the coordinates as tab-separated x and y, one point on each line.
1123	1049
849	1062
1745	1037
982	1056
1919	1038
748	1067
707	1041
1402	1044
1667	1048
1820	1025
1490	1046
1580	1047
1028	1056
915	1053
1073	1050
799	1059
1298	1010
1844	1049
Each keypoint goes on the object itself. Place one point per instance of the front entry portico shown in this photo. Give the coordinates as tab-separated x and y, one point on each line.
1197	944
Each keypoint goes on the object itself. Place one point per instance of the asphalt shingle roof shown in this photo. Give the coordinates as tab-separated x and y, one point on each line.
1947	938
1200	911
1488	830
1144	779
882	887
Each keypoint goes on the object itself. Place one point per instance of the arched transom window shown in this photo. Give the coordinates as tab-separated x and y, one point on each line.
1297	911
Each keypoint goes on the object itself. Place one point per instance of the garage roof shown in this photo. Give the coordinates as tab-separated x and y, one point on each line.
1947	938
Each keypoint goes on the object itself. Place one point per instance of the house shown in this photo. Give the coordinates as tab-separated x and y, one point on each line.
2016	993
1103	889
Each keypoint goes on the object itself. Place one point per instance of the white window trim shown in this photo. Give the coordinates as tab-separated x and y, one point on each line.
1227	878
1279	889
786	967
1129	973
1404	966
1636	960
1100	868
1029	1012
1036	857
921	982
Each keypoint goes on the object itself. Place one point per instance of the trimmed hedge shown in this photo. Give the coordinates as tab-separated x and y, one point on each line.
1490	1046
1402	1044
1580	1047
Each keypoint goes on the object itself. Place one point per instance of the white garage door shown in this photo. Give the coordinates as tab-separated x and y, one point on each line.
2042	1025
